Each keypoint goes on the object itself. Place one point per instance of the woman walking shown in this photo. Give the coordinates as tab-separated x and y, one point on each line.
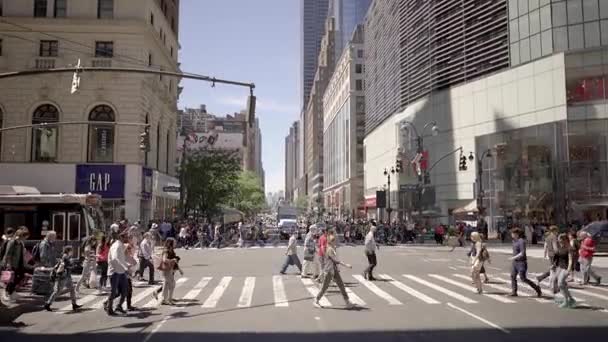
563	262
88	264
332	273
168	265
14	261
103	248
478	257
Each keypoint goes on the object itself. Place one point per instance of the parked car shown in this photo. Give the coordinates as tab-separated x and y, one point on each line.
599	232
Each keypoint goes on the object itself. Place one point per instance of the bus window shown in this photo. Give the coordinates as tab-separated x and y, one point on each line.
74	227
59	225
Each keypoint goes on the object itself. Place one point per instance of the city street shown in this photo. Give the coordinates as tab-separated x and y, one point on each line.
237	294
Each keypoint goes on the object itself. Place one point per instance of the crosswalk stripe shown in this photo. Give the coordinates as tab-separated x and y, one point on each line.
589	293
247	294
470	288
314	291
409	290
197	289
280	298
217	293
152	303
528	292
82	301
441	289
354	298
375	289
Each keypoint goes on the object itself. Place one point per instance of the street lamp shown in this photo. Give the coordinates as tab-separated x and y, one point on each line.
486	154
393	170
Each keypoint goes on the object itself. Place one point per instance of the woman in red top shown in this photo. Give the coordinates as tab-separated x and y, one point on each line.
586	258
103	248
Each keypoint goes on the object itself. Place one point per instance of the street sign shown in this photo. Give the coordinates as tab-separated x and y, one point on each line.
171	189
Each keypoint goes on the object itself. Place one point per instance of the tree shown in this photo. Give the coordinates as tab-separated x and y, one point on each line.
248	195
210	177
302	203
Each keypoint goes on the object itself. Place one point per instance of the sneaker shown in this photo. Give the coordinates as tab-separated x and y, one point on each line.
47	307
564	305
76	307
131	308
165	303
572	303
513	294
316	304
350	305
479	291
558	300
371	278
487	281
539	292
120	310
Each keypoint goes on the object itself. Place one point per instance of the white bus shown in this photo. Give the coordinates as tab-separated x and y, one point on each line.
74	217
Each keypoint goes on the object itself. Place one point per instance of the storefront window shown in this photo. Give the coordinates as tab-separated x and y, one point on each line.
44	139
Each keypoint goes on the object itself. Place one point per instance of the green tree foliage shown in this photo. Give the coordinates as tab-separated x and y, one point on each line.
302	203
210	178
248	195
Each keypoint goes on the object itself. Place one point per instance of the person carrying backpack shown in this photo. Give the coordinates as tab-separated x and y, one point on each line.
62	276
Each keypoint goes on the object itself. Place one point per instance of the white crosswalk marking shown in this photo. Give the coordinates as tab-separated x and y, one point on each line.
82	301
354	298
152	303
375	289
409	290
197	289
280	298
441	289
247	293
529	292
471	288
217	293
313	290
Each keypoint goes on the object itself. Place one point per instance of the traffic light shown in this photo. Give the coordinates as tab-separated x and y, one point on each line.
463	164
76	79
251	110
398	166
144	139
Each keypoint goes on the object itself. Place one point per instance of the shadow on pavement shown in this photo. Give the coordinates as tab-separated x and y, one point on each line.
452	335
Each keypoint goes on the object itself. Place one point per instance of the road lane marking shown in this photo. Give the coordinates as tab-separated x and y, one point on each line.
217	293
83	301
153	302
483	320
441	289
528	291
280	298
471	288
453	268
197	289
375	289
314	291
354	298
468	268
409	290
157	328
247	293
493	268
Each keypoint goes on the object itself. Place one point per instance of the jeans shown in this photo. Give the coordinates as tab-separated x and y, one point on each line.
129	292
120	286
291	260
60	284
521	268
372	262
143	263
561	276
586	270
103	269
335	276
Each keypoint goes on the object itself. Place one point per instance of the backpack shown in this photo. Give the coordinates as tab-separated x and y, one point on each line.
36	252
484	255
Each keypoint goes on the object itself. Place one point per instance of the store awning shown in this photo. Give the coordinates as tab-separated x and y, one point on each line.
469	208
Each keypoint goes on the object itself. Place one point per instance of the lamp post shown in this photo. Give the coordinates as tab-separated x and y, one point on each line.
393	170
486	154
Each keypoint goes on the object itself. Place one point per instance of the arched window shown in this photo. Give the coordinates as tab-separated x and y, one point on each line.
101	134
44	139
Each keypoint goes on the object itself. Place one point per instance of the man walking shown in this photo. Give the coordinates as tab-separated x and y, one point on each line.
292	254
117	262
370	252
520	263
145	253
309	254
63	279
321	247
48	253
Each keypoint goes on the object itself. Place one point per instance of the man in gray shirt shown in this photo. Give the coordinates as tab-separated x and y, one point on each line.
370	252
48	252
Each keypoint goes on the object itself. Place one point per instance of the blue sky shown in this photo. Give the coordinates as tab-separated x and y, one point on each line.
252	41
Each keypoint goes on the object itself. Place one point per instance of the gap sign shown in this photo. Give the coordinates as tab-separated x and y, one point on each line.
105	180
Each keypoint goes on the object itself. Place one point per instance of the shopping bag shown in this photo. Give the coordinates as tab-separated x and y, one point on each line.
7	277
93	279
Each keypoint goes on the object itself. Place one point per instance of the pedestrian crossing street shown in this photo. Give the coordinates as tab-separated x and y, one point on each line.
282	292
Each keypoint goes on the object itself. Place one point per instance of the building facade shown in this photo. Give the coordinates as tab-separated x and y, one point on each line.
347	14
292	149
313	122
83	147
543	120
343	133
313	16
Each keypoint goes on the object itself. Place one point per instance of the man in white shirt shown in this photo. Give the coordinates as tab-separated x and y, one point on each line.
146	250
292	254
117	268
370	252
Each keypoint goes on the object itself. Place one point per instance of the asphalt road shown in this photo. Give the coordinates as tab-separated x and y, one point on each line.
237	294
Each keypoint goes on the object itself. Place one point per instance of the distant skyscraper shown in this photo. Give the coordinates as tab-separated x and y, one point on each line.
313	15
348	14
